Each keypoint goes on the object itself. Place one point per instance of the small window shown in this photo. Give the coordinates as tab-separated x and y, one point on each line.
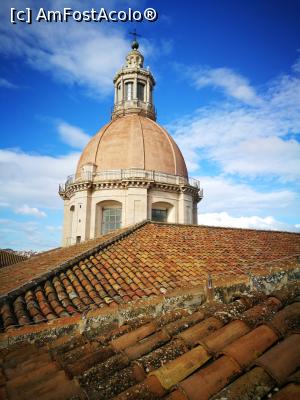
78	239
128	90
141	91
159	215
111	219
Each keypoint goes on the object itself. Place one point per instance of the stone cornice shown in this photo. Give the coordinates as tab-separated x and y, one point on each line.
129	183
130	71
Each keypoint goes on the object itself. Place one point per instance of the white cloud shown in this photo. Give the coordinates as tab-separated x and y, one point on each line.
222	194
261	156
229	81
33	179
228	203
86	54
32	211
53	228
83	54
29	235
6	84
254	222
72	135
257	140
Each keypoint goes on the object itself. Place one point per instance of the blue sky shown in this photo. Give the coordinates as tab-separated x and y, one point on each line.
228	90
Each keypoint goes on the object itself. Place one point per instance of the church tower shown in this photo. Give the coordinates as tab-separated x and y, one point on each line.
131	170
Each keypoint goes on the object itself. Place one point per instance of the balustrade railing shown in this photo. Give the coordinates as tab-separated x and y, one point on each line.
129	174
134	103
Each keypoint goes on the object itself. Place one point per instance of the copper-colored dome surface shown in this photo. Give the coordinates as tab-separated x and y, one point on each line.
133	141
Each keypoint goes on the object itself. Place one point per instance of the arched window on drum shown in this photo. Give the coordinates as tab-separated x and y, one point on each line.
141	91
128	91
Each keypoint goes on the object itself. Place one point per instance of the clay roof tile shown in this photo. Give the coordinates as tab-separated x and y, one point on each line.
118	347
261	312
248	347
146	345
176	395
289	392
133	337
283	359
219	339
255	384
209	380
150	388
177	370
194	334
162	355
286	320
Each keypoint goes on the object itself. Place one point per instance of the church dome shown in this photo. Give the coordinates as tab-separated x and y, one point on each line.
133	141
131	170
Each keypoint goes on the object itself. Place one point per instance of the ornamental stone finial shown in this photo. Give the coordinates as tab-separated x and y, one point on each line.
135	43
134	58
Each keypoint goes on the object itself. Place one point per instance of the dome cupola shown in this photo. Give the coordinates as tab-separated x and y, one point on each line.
133	142
132	169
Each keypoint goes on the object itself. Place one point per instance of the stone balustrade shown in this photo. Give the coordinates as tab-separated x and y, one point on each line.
129	174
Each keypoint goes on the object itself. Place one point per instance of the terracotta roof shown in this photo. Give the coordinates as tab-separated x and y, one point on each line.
9	258
21	273
146	260
247	349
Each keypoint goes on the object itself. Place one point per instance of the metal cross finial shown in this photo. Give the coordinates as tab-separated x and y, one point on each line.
134	34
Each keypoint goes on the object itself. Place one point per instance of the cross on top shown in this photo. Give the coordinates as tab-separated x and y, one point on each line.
134	34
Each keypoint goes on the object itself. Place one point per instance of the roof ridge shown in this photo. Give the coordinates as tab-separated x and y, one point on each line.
69	263
161	304
221	227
